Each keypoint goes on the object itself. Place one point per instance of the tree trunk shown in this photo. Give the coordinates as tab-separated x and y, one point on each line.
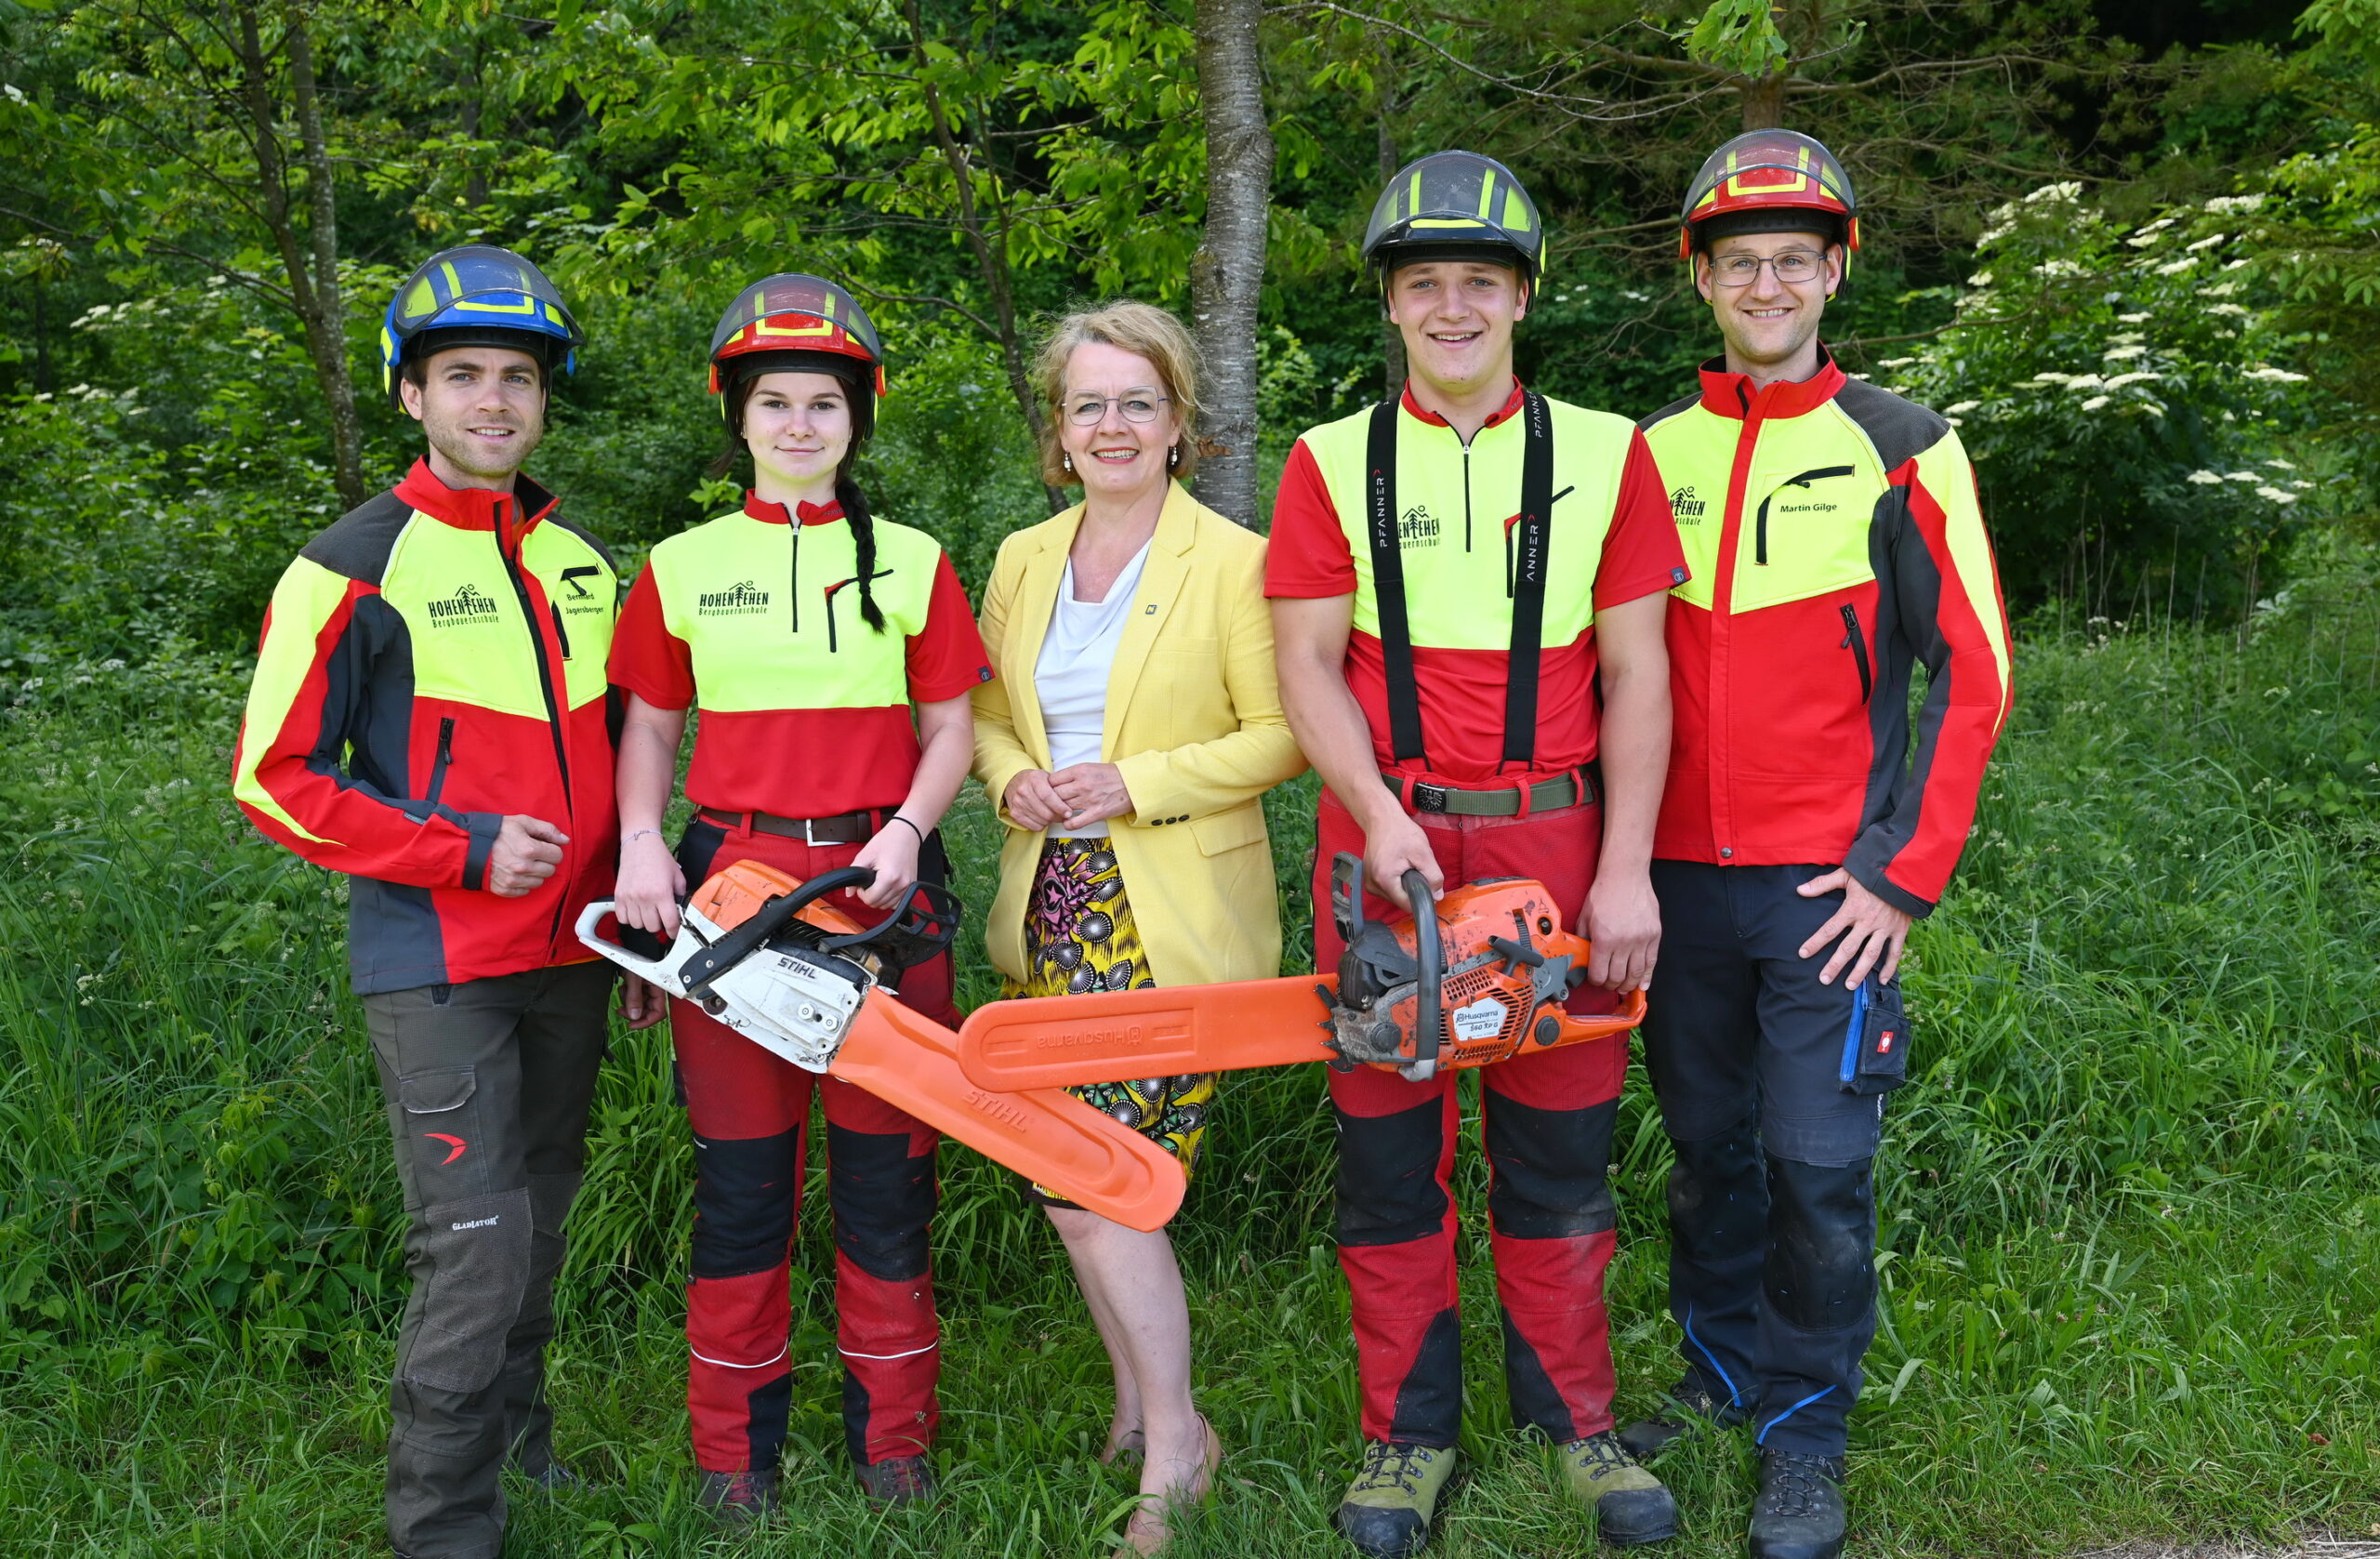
326	328
1764	101
1226	279
326	336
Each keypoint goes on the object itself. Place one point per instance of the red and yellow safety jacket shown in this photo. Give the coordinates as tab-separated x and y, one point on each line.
1833	534
430	664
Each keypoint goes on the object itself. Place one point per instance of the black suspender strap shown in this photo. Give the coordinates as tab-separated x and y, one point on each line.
1533	537
1388	587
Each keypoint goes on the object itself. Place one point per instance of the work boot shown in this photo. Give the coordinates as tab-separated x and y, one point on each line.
1691	1408
736	1499
1631	1506
1389	1506
1798	1512
898	1480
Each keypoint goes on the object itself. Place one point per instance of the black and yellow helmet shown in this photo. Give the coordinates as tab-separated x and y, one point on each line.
1455	205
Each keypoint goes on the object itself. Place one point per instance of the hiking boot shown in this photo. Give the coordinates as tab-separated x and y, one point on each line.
1388	1507
1798	1512
736	1499
1631	1506
899	1480
1690	1408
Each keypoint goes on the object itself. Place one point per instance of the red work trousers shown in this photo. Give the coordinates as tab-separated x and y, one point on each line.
750	1115
1546	1120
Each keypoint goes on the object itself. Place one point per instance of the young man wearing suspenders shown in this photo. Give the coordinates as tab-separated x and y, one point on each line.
1469	583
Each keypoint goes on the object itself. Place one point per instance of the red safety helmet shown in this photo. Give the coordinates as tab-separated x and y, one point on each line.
792	323
1768	182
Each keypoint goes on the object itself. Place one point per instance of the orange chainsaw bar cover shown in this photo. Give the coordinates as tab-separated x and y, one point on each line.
1490	1009
911	1062
1104	1036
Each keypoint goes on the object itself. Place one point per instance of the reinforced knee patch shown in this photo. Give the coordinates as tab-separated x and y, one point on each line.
1388	1175
884	1201
746	1192
1821	1272
478	1252
1549	1169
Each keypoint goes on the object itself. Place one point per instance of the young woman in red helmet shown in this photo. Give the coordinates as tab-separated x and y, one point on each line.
832	653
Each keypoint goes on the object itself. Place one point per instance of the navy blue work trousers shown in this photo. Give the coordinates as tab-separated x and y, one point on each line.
1772	1206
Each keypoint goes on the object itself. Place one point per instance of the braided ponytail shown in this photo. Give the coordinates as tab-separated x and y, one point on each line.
862	525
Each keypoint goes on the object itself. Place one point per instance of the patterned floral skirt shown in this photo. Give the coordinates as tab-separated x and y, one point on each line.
1078	937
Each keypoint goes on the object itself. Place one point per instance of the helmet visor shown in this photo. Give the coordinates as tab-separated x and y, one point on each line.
481	287
1455	200
823	318
1772	167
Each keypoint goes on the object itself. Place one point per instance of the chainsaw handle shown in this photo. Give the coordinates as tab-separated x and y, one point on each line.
650	970
1429	955
697	971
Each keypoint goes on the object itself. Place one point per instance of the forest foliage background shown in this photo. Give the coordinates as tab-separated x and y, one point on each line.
204	207
2130	1224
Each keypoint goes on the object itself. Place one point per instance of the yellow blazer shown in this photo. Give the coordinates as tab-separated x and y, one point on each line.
1193	724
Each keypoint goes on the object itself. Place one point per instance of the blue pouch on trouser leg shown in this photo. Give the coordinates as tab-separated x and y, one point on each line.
1875	1043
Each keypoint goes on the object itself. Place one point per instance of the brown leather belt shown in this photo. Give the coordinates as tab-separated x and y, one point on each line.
850	827
1577	788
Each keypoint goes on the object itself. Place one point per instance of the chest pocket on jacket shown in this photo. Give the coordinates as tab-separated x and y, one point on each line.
1806	536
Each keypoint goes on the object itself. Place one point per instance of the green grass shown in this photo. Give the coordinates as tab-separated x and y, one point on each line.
2131	1210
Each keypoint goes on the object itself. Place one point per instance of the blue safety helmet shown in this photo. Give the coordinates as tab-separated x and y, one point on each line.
477	296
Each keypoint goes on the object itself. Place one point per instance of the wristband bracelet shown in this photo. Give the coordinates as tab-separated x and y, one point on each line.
896	817
638	834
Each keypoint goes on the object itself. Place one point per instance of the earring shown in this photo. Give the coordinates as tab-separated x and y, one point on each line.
1067	460
1173	457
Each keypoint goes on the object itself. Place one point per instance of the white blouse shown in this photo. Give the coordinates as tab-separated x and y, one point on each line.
1070	677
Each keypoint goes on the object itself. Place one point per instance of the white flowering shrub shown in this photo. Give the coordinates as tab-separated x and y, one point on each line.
2129	398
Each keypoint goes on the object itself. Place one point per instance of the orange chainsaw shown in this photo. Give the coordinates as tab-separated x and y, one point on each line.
1463	981
765	957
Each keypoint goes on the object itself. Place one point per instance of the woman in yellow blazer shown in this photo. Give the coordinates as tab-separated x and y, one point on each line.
1129	737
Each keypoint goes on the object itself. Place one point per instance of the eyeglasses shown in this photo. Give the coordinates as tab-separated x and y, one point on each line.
1742	270
1138	405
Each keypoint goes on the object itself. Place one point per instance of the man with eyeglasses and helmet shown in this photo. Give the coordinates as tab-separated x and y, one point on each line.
1468	587
1835	538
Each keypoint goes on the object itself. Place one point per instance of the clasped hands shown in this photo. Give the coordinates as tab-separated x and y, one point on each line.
1071	797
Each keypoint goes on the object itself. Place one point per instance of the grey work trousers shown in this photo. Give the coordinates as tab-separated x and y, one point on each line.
488	1085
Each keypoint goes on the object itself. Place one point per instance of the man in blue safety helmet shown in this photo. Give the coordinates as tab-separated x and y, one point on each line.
429	716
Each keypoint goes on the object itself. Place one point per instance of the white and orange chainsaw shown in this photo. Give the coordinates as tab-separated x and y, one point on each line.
768	957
